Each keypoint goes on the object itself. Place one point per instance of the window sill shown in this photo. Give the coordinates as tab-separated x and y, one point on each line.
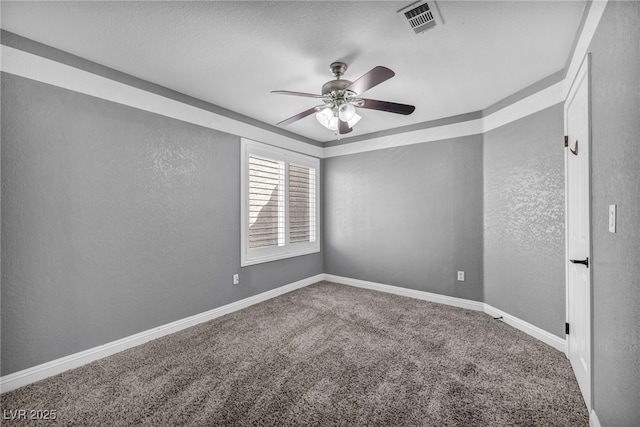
275	257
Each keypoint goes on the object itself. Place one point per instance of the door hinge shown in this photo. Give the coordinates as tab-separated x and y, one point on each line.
566	328
566	140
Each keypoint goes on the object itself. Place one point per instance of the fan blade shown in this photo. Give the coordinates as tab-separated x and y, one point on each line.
343	127
297	117
391	107
288	92
373	78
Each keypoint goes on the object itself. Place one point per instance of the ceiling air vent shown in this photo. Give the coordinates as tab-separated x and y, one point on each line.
421	16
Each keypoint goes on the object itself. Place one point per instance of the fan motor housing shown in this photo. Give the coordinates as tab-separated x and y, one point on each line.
335	85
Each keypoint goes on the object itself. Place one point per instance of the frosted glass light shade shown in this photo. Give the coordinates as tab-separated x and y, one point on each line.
346	112
326	113
326	118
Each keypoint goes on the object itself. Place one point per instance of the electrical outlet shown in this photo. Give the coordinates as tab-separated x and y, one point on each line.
236	279
461	276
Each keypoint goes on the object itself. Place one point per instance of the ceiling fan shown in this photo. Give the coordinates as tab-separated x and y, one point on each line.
341	98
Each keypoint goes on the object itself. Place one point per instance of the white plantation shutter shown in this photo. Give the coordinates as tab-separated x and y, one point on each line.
266	202
280	203
302	204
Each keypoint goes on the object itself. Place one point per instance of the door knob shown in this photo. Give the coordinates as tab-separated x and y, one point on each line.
581	261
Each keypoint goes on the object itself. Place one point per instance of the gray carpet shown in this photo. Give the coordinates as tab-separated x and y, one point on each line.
326	354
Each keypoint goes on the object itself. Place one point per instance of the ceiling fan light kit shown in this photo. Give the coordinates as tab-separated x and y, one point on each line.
328	117
340	99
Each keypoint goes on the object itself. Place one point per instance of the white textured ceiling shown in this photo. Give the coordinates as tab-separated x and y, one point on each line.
234	53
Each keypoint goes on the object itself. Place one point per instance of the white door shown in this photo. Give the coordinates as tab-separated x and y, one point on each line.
578	230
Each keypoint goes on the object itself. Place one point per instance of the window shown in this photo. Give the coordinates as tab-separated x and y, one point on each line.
280	203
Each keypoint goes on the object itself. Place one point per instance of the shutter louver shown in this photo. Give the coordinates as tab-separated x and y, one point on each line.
302	204
266	202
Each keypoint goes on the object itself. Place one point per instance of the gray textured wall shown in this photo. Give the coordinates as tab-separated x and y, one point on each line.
408	216
524	219
615	162
114	221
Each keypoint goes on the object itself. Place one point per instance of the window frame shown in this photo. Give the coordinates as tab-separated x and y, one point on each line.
249	256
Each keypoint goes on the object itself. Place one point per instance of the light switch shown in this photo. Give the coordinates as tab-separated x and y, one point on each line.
612	218
461	276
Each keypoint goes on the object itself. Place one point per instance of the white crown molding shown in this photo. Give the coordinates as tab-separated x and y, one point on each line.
588	30
454	130
533	103
37	68
54	367
44	70
34	67
24	64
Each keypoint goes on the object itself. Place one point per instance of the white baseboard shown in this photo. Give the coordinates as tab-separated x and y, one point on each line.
540	334
544	336
593	419
412	293
54	367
